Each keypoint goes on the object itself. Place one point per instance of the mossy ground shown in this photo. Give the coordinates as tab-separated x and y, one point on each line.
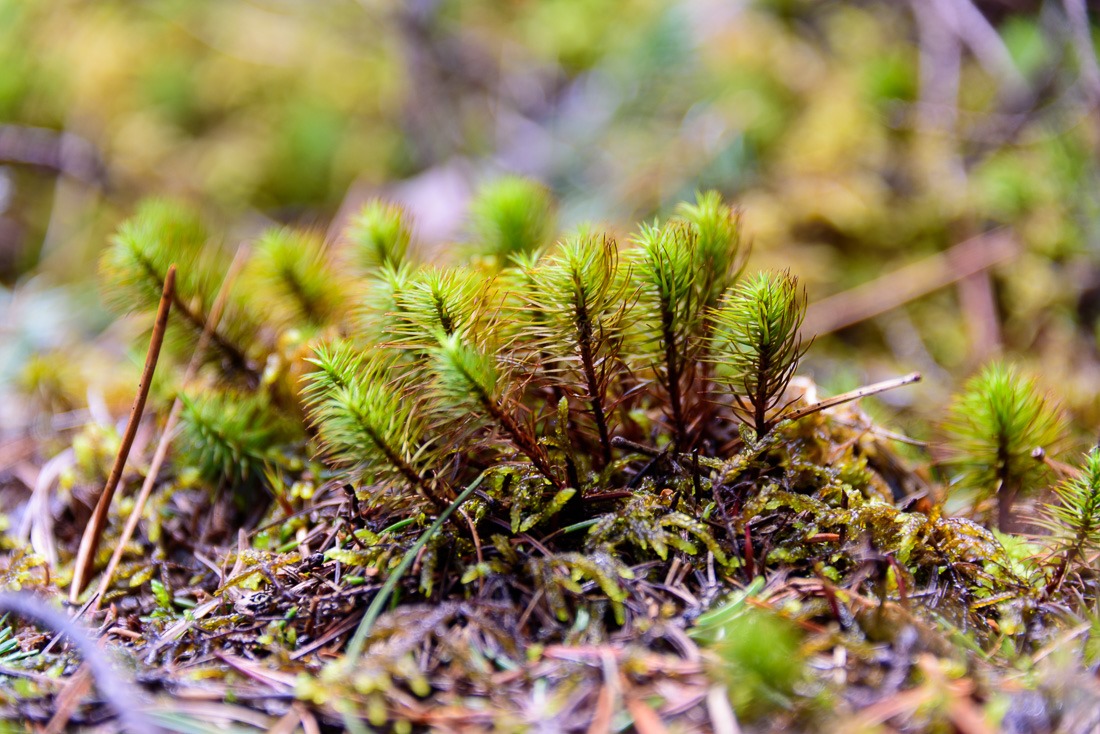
810	580
633	558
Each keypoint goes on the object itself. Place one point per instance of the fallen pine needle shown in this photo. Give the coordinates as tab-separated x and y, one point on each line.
875	389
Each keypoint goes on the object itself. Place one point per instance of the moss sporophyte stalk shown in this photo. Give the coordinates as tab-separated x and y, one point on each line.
582	433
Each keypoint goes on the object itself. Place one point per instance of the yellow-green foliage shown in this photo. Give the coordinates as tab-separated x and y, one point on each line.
1074	521
994	425
292	274
568	394
230	437
133	269
579	299
379	236
511	216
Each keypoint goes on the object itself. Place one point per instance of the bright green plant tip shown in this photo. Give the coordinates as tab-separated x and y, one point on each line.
510	216
466	378
1074	521
994	425
379	236
719	256
757	345
292	273
441	301
159	234
579	303
669	318
364	418
133	268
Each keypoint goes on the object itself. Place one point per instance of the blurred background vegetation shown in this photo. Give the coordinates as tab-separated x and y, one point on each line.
858	137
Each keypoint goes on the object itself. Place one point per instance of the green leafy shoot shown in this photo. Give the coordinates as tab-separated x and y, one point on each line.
669	312
379	236
719	256
757	344
441	302
993	427
291	271
133	269
229	437
159	234
510	216
364	418
339	364
1074	521
578	300
380	314
469	392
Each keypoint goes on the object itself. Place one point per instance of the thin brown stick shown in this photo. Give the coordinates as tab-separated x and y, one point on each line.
161	453
909	283
65	703
89	543
848	397
978	304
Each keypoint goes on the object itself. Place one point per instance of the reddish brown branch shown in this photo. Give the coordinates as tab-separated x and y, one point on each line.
161	453
89	543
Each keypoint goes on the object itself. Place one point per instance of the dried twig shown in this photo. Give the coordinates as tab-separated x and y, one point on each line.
85	558
170	426
851	395
909	283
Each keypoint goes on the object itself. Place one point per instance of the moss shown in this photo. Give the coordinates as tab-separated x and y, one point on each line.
572	445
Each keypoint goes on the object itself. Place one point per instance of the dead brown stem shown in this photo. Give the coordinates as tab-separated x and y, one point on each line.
909	283
170	425
89	543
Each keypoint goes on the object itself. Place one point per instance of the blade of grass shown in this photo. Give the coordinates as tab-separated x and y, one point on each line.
358	640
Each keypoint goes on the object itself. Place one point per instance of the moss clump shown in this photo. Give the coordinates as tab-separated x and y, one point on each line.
576	445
